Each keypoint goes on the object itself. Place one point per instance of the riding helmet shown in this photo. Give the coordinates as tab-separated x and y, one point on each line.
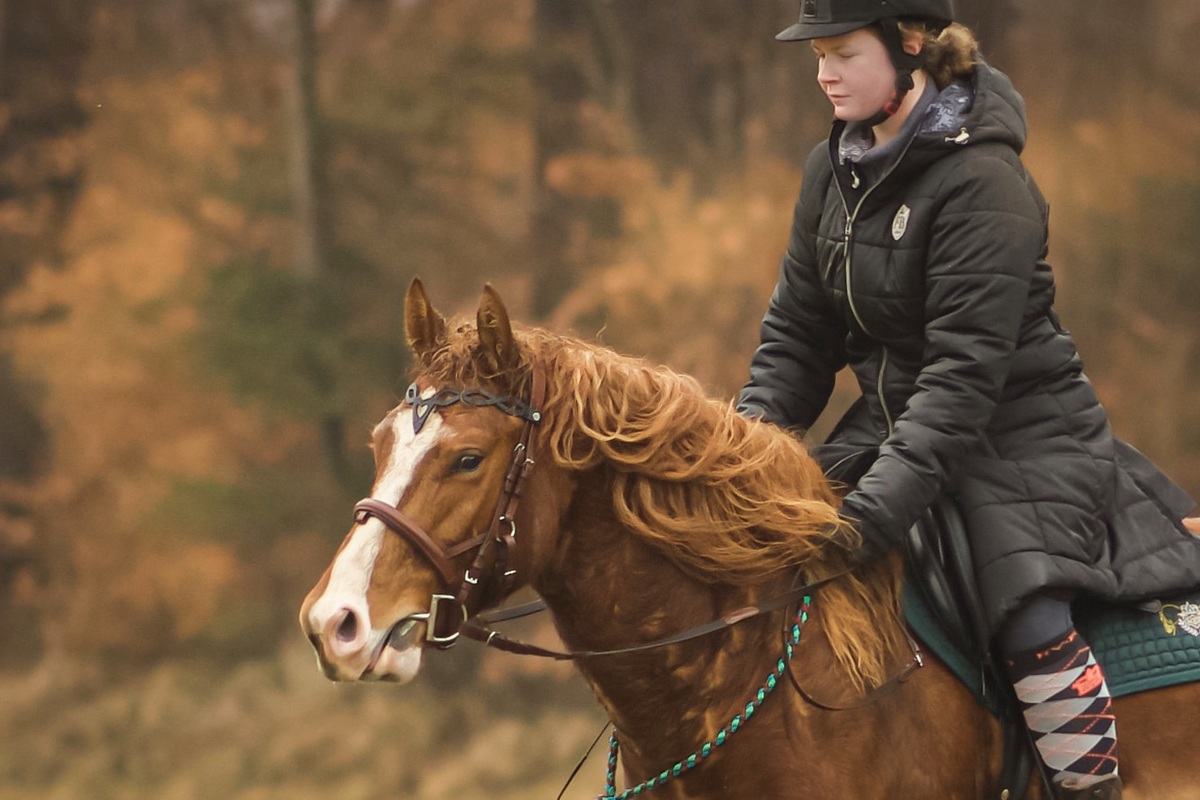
821	18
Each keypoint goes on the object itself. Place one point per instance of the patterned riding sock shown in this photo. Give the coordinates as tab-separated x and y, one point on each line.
1068	709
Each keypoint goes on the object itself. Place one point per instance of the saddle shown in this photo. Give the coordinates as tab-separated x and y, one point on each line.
942	594
1142	646
943	609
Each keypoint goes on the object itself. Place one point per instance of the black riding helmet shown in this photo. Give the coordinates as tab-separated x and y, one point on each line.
822	18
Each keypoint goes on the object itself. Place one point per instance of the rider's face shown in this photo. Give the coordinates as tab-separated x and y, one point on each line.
855	73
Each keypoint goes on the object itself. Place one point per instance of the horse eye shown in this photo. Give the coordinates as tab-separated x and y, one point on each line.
468	462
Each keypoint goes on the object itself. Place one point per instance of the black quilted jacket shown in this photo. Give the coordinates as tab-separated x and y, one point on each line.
931	284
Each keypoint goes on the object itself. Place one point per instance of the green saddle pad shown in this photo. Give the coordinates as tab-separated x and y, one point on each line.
1142	647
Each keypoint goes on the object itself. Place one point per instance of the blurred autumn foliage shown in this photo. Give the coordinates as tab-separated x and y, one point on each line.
209	211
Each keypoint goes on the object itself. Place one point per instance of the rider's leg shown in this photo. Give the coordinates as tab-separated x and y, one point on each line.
1064	698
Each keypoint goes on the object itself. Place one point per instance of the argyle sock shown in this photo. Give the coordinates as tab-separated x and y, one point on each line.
1068	709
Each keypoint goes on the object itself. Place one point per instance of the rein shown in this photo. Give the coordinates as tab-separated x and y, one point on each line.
738	722
477	628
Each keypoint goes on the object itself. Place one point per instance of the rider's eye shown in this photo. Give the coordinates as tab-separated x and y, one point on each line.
468	462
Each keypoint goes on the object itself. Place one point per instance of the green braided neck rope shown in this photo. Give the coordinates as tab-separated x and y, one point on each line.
737	723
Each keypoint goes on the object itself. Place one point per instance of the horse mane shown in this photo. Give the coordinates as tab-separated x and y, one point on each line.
729	499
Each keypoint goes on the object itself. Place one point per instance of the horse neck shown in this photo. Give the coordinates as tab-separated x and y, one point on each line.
609	589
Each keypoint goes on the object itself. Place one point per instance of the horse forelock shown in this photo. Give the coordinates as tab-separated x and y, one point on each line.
729	499
457	363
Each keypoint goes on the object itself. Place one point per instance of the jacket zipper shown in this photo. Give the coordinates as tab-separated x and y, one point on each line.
887	415
850	219
839	462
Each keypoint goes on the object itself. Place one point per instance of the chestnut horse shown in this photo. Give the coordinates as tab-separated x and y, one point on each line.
638	508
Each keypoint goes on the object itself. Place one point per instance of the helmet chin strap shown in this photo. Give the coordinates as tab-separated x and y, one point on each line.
905	63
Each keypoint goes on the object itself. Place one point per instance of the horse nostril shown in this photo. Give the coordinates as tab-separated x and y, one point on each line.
347	627
345	633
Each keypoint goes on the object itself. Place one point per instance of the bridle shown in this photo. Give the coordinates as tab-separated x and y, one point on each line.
490	577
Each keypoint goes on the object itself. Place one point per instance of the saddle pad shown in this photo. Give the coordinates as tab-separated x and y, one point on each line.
924	625
1141	647
1144	647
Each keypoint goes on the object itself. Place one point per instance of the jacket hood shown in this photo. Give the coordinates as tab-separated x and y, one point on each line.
989	109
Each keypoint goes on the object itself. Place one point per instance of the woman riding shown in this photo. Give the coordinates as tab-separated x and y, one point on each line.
917	257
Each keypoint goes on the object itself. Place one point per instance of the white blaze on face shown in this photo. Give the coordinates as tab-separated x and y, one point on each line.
350	575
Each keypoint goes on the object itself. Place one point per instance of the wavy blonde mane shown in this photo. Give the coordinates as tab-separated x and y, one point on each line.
729	499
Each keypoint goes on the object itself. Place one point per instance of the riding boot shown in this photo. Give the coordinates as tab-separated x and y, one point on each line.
1107	789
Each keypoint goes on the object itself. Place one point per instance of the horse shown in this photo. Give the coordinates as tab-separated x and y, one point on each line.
639	509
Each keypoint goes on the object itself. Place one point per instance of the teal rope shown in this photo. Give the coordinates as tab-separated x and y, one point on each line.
736	724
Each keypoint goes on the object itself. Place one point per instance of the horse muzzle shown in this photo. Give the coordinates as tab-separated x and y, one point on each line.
349	649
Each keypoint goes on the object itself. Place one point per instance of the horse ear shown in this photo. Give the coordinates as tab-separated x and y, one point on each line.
498	346
424	327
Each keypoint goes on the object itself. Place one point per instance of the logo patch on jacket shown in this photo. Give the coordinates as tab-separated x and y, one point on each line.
900	222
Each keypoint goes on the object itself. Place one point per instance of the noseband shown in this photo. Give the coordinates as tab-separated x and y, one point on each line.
489	577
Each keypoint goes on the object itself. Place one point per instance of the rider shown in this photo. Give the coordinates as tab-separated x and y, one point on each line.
917	258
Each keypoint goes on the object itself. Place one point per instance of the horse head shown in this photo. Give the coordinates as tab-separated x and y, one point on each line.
435	541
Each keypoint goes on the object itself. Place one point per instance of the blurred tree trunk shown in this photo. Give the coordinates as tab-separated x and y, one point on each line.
42	47
312	212
559	227
305	131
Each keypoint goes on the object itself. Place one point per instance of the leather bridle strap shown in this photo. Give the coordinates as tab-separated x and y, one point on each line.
477	628
887	687
400	523
501	539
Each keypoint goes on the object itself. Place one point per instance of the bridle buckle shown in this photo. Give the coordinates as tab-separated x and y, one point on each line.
436	615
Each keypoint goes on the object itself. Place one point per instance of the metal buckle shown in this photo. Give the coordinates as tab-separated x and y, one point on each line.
512	527
434	616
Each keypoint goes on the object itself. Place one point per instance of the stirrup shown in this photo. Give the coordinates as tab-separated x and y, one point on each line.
1107	789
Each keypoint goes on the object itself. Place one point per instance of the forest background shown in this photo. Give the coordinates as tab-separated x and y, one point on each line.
209	212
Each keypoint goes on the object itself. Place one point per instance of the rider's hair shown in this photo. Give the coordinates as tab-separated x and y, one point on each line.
949	53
